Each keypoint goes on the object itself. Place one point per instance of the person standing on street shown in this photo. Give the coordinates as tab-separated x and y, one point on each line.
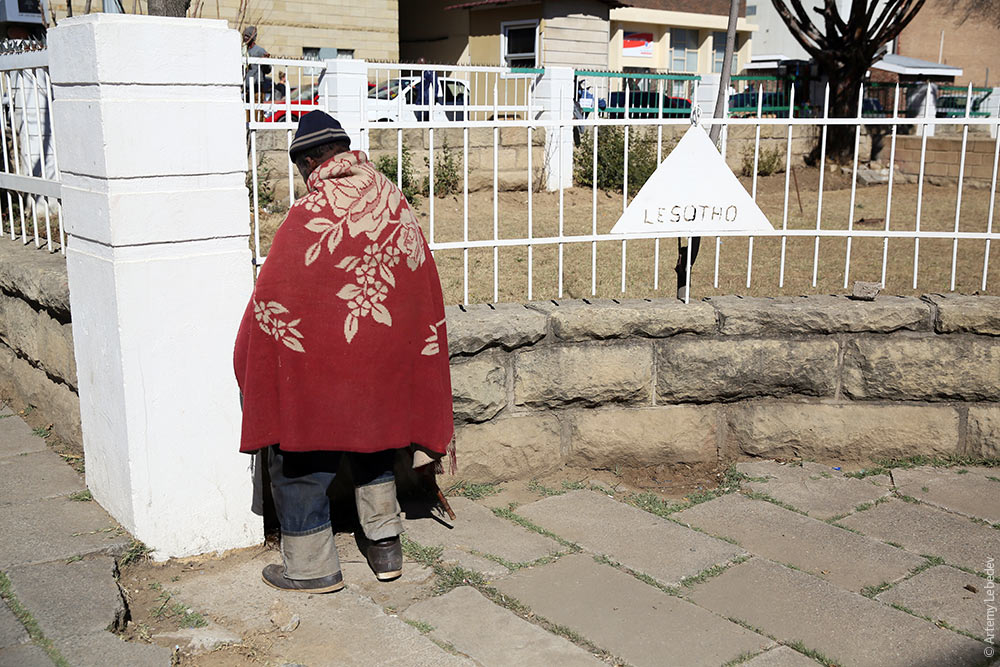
342	353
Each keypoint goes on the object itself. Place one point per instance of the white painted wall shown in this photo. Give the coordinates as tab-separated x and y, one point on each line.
152	150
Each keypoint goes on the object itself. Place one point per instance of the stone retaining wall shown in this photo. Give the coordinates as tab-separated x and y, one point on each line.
645	383
640	383
37	364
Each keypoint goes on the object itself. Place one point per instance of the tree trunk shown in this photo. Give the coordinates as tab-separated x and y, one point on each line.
721	100
168	7
843	104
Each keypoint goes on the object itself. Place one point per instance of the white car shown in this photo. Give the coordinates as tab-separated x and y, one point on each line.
384	105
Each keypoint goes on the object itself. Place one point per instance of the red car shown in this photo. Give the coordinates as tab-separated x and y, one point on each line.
302	101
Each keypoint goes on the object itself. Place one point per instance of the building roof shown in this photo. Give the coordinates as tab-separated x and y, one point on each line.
893	62
480	4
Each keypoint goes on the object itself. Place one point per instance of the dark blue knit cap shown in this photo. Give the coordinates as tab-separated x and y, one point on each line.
315	129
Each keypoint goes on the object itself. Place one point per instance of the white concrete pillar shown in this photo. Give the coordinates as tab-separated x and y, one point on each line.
554	94
344	93
152	149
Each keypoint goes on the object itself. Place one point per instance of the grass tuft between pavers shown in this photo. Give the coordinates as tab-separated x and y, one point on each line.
30	624
746	656
641	576
714	571
81	496
136	552
509	514
472	490
812	653
884	466
871	591
451	577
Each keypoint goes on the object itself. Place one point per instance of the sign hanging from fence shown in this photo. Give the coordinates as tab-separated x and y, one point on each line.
693	190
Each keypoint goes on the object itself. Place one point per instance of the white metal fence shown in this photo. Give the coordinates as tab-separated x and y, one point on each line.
30	191
491	250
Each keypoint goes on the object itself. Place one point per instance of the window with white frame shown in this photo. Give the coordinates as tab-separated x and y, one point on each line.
683	50
519	43
719	52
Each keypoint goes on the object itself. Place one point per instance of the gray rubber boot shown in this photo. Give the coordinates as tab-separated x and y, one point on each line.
378	510
312	556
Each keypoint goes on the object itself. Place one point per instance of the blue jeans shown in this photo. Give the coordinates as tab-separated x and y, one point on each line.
299	482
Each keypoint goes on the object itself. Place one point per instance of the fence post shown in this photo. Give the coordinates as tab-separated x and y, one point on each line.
554	93
343	94
157	219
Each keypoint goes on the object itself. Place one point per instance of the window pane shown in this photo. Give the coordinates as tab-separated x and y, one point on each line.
692	61
521	40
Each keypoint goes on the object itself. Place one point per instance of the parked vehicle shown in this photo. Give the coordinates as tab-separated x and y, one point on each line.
642	104
449	100
301	101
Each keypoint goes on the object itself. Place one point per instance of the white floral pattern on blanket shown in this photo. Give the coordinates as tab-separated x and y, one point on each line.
285	332
364	201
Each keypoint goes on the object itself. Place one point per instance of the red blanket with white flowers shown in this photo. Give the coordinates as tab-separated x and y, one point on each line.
343	344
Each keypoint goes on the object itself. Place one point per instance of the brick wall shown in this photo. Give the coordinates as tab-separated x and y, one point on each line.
971	45
943	156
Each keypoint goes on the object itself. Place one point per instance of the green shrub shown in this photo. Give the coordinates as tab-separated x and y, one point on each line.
388	165
611	158
447	173
771	161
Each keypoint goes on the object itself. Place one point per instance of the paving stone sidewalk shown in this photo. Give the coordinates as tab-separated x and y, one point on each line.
796	565
57	563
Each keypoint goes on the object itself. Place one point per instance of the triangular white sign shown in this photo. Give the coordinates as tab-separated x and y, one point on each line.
693	190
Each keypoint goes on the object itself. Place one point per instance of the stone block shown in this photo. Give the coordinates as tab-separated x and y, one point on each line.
782	656
816	489
586	375
844	558
16	437
626	617
923	529
944	594
59	404
523	446
12	632
35	476
71	599
477	327
39	277
983	432
702	370
932	368
479	386
511	639
476	528
348	628
55	529
968	491
103	648
966	314
35	335
845	627
604	318
24	655
639	540
638	437
820	314
842	433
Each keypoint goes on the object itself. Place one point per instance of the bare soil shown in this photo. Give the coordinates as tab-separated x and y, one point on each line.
590	270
